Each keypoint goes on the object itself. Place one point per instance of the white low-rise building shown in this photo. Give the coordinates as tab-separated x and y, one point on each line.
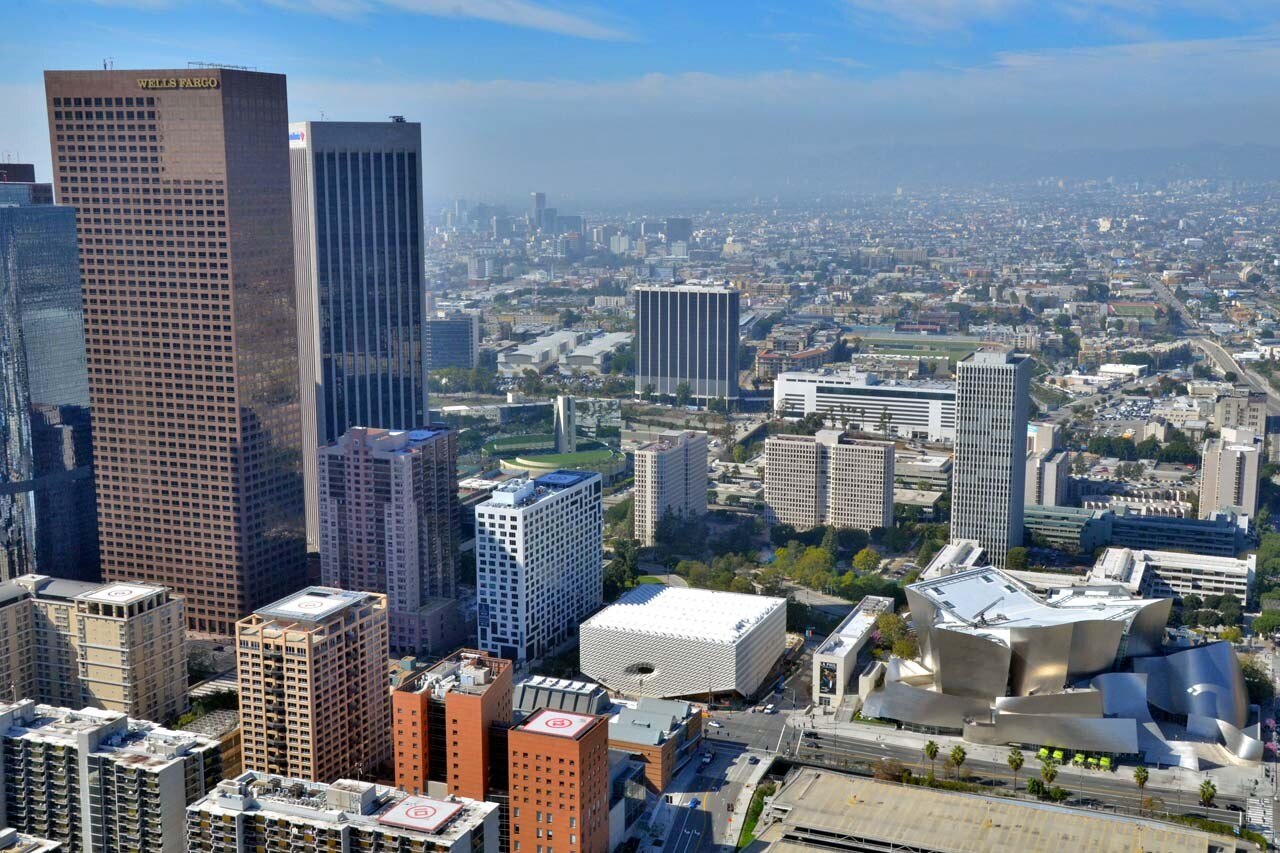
1172	574
538	354
915	409
667	642
835	661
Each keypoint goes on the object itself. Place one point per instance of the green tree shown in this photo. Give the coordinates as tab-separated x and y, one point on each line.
683	394
1208	791
957	758
831	543
1267	622
906	648
1257	680
1035	787
1140	777
1015	761
931	753
866	560
739	454
1048	771
891	628
1017	559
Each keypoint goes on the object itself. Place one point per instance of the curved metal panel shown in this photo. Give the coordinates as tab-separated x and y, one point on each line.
923	614
1205	681
1070	703
1146	630
1038	660
1101	734
1094	645
970	664
897	701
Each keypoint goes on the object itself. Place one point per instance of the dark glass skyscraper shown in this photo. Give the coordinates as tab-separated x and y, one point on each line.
180	183
687	335
357	217
48	518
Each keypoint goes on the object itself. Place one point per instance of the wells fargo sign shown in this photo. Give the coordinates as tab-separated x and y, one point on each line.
178	83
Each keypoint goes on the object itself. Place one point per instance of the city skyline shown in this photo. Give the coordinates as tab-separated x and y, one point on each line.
834	92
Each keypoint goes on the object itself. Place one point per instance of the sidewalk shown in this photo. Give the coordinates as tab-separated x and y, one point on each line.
743	802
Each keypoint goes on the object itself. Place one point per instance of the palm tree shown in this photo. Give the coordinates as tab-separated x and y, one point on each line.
958	755
1015	760
1208	791
1140	777
1048	771
931	753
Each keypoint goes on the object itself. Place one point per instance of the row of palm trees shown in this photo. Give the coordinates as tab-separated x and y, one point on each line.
1049	773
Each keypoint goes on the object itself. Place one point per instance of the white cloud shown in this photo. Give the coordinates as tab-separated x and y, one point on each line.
934	15
516	13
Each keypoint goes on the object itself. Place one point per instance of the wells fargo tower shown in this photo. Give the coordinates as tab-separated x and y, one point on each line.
180	181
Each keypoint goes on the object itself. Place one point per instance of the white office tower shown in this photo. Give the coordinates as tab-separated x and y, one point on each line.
264	813
670	476
829	478
566	425
1229	473
98	781
993	393
538	566
1048	474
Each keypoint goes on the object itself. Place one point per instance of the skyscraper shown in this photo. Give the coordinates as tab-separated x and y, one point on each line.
390	523
687	335
48	515
670	476
182	211
993	394
828	478
559	772
537	204
453	341
357	225
678	229
538	571
313	685
1229	473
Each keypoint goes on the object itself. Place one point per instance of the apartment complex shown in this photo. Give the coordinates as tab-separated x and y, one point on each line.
670	476
314	702
687	335
1242	409
558	766
993	393
48	513
1048	471
264	813
187	269
538	569
906	408
357	238
120	647
98	781
442	719
390	522
1229	473
1173	574
829	478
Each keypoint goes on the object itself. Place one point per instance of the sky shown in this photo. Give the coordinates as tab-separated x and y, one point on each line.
699	100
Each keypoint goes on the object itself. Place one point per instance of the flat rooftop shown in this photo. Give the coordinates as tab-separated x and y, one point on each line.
840	812
696	614
987	598
853	630
120	593
558	723
311	604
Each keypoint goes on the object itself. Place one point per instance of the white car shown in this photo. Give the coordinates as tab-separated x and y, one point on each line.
715	724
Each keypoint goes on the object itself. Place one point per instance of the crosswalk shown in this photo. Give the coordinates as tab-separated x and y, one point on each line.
1258	814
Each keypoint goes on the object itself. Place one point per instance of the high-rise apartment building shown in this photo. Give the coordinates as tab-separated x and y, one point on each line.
120	647
180	182
264	813
1242	409
830	478
687	336
559	772
993	394
98	781
1229	473
48	515
538	570
314	702
443	718
670	477
390	523
1048	473
453	341
357	233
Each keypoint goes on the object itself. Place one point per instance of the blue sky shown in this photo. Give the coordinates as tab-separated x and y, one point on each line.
597	100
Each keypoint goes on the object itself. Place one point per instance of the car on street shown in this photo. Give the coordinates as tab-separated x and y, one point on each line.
694	803
715	724
753	759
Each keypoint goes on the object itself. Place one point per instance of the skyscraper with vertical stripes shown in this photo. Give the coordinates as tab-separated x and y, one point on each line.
687	335
357	221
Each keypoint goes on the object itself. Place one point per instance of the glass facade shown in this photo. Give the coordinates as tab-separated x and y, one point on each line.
687	335
48	515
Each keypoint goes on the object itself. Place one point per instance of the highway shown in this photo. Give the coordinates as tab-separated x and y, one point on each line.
1225	362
